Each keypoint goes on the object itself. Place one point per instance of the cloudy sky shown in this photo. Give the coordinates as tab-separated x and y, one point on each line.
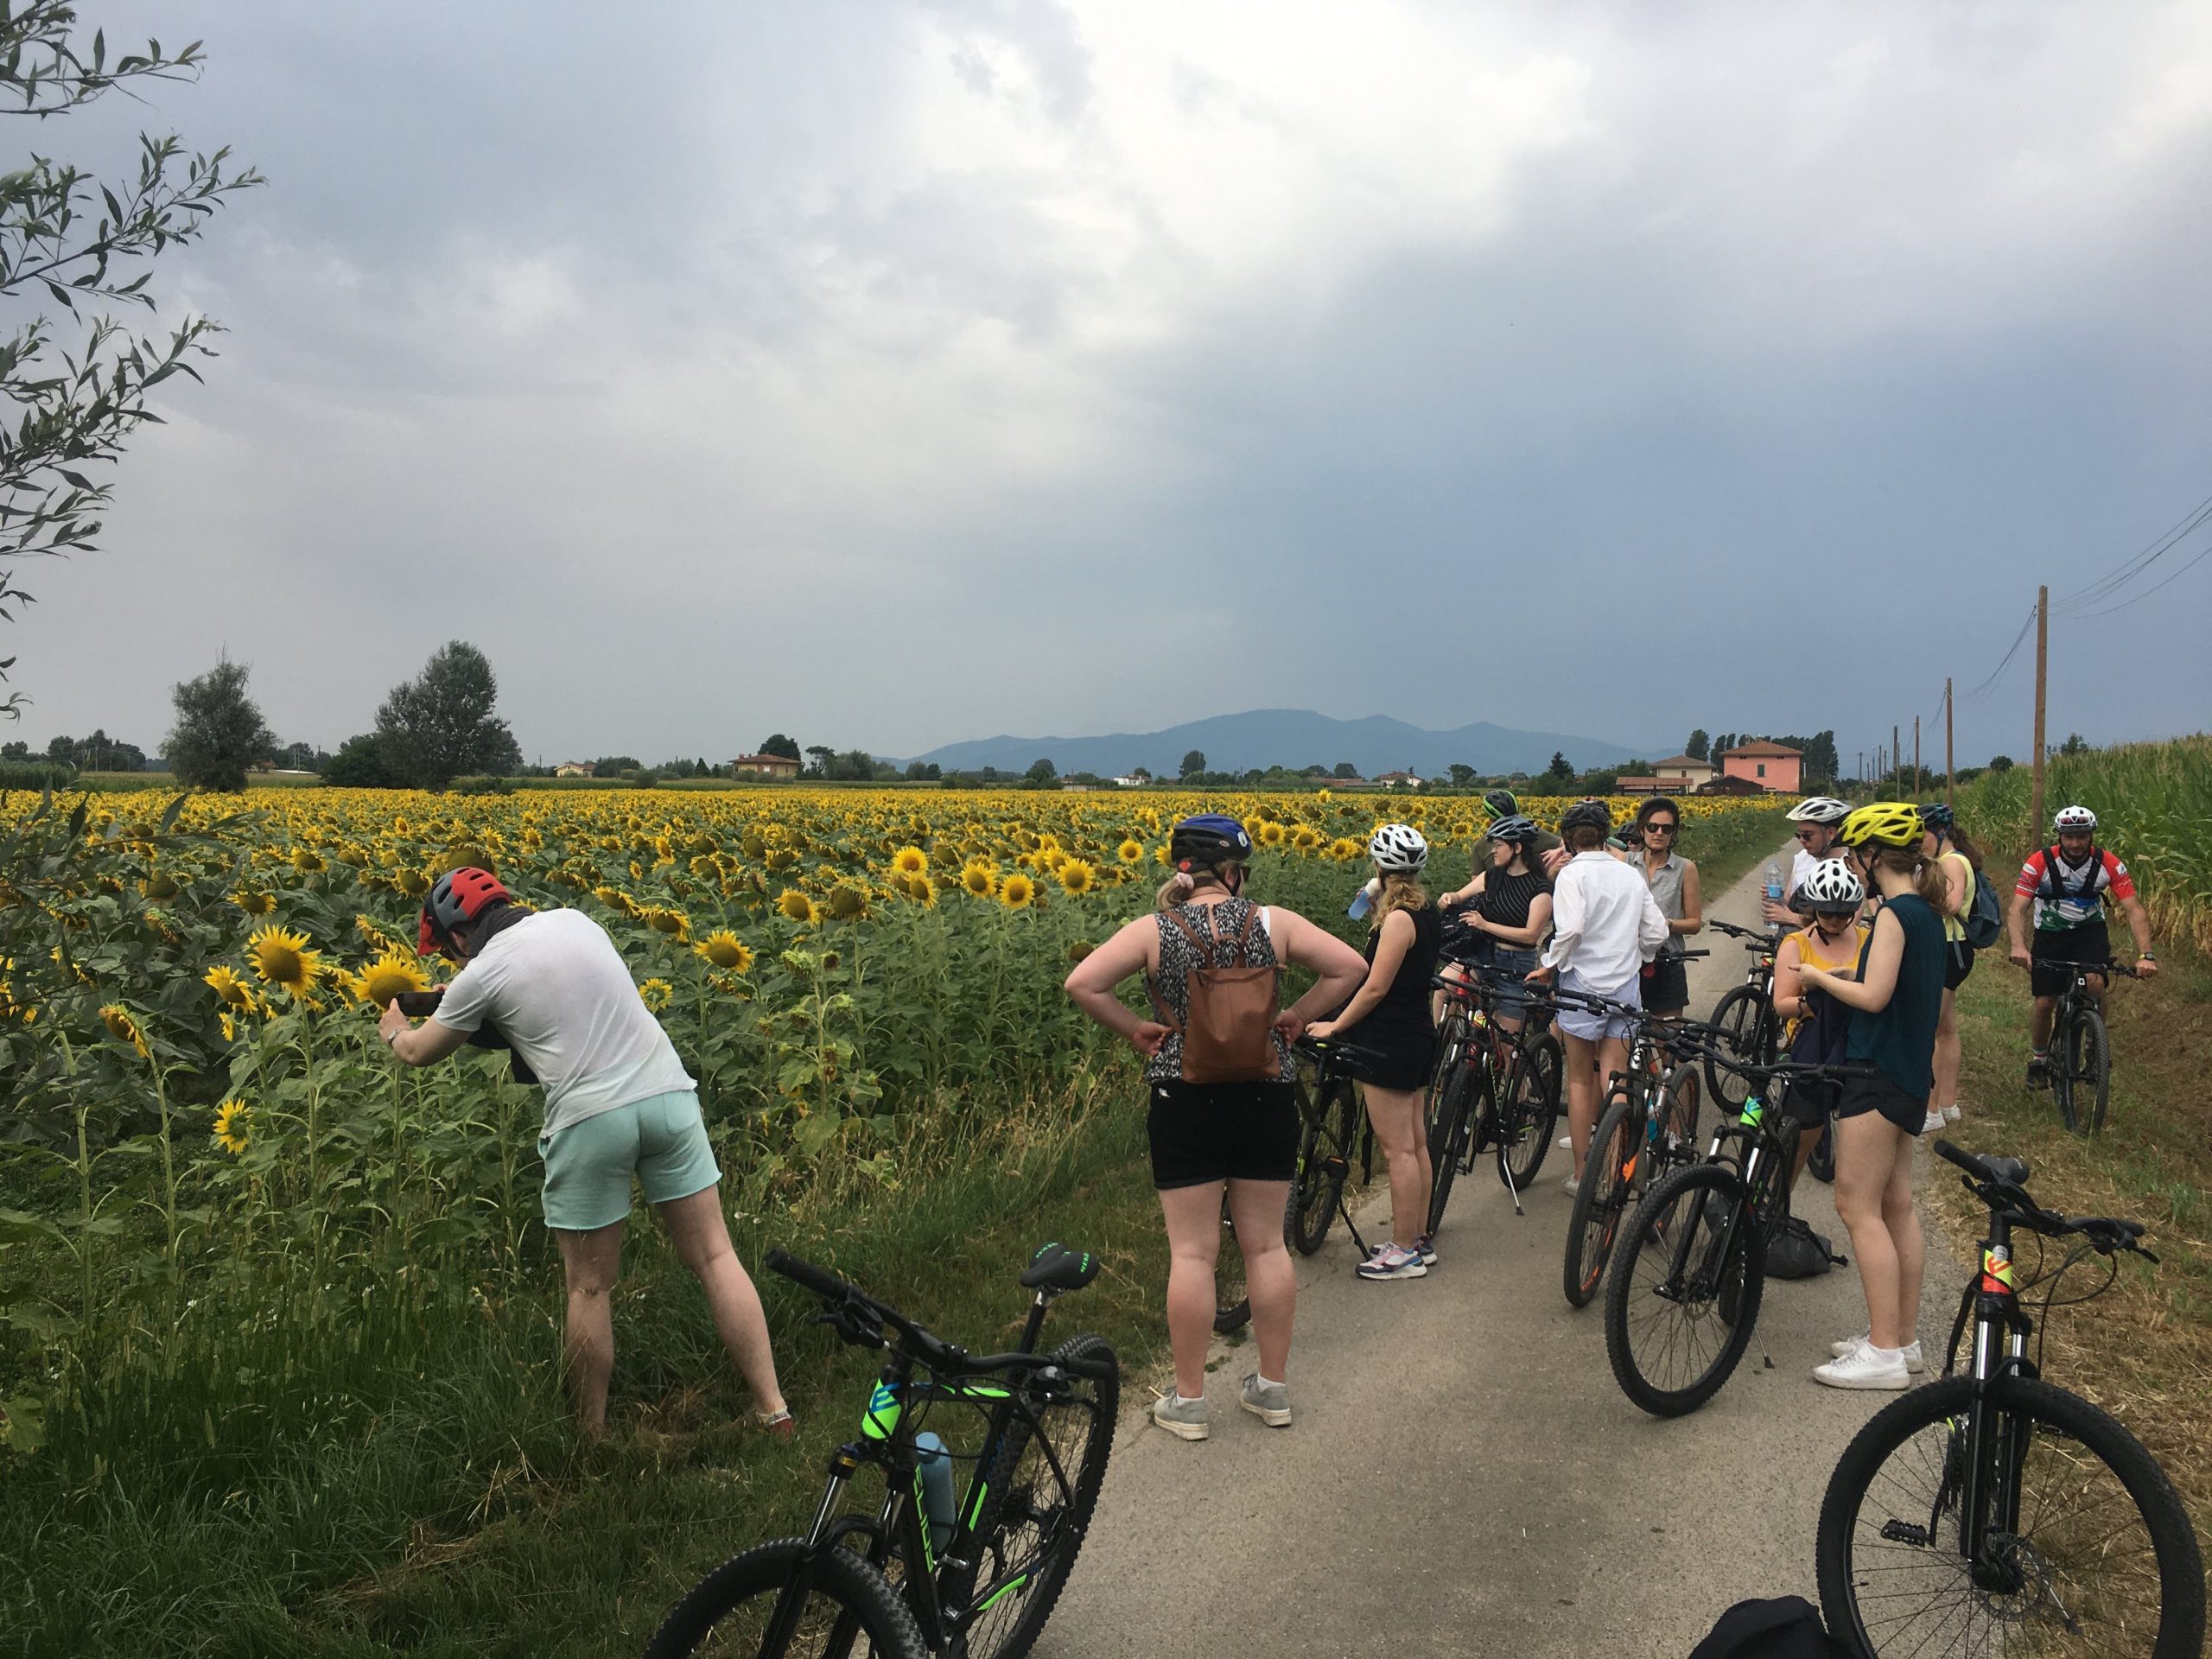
891	374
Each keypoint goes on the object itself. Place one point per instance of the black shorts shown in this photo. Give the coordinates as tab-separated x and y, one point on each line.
1958	963
1404	1060
1878	1094
2056	949
1203	1132
1807	1102
1667	984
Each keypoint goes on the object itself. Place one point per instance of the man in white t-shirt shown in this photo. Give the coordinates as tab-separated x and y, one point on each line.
551	986
1819	819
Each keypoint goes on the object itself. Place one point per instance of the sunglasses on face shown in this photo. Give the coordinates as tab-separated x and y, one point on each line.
1808	835
1657	829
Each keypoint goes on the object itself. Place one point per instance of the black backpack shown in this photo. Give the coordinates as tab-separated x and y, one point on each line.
1789	1627
2052	888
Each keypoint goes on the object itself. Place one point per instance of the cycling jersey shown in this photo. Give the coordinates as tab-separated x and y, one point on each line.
2071	895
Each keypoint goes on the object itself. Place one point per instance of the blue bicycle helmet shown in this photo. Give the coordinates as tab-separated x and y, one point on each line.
1207	840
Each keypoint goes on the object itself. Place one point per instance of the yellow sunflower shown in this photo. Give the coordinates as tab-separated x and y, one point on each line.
234	991
1271	834
848	904
1076	876
387	977
979	879
1130	852
254	904
1017	892
655	994
233	1121
282	957
795	905
911	861
123	1028
726	951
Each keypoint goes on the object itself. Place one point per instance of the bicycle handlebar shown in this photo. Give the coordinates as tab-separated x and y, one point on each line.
1325	1049
1748	935
2001	1184
859	1318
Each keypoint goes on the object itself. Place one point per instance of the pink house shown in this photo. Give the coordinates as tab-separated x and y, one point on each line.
1772	766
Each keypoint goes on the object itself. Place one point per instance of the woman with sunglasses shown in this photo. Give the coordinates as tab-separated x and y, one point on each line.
1673	884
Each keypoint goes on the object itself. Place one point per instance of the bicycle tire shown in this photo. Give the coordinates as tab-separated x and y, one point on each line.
1527	1120
739	1596
1009	1500
2062	1084
1677	1144
2090	1062
1678	1279
1741	1016
1447	1142
1324	1161
1853	1549
1600	1201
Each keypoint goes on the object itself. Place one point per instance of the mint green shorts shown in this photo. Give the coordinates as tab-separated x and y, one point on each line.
662	1139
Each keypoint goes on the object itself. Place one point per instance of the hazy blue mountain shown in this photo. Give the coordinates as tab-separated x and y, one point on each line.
1286	737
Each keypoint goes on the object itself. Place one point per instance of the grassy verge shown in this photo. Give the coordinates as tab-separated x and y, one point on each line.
2143	1350
466	1519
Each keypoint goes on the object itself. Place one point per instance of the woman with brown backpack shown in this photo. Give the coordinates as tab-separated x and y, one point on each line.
1224	1107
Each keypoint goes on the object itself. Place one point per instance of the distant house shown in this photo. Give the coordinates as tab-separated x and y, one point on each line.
1688	767
1411	779
574	769
1656	785
1129	783
764	766
1732	785
1772	767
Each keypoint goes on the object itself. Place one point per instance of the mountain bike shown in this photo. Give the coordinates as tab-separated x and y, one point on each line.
1992	1510
1493	1089
1648	1126
1690	1268
1745	1016
2080	1066
925	1574
1332	1122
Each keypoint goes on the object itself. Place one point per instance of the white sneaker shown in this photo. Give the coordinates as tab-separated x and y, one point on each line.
1935	1121
1913	1361
1570	1186
1862	1368
1951	1112
1568	1140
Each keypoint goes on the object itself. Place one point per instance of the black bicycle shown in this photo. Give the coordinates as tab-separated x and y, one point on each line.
1493	1089
1648	1126
1332	1122
932	1570
1745	1017
2080	1064
1690	1270
1993	1511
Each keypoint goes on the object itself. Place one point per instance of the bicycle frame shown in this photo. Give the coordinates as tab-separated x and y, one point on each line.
1328	1064
1989	1477
1501	1058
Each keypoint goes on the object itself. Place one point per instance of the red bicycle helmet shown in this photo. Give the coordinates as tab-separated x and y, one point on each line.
458	896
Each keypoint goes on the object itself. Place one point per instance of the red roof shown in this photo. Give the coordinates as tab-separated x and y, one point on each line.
1763	747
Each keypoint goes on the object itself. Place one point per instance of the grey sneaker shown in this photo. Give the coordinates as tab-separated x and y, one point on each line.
1268	1401
1185	1419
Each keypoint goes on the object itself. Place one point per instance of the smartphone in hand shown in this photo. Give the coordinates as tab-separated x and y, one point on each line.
420	1005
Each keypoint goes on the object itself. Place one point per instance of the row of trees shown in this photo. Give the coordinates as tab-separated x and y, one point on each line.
1821	765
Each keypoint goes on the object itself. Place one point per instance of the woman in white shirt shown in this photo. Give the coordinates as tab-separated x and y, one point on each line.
1605	928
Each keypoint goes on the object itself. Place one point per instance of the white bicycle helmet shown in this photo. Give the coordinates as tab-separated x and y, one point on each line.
1398	848
1832	885
2075	818
1818	808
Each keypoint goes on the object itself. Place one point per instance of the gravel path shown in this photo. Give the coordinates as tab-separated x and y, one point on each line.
1465	1477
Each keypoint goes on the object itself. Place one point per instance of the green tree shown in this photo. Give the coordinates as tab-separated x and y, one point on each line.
2001	763
1195	761
359	764
1559	768
1041	771
440	725
1699	746
218	731
75	381
819	755
777	744
1462	774
1344	769
2074	745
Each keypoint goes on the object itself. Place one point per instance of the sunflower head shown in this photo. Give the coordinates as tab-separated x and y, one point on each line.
978	879
387	977
234	992
1130	852
848	904
1076	876
1017	892
726	951
123	1026
253	903
281	956
795	906
232	1122
655	994
911	861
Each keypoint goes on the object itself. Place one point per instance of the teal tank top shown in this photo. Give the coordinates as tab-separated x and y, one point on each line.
1900	1040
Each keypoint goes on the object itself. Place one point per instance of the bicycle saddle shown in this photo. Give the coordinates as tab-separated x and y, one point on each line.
1055	1267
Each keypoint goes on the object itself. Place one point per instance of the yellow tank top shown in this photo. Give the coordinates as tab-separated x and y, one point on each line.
1954	925
1812	948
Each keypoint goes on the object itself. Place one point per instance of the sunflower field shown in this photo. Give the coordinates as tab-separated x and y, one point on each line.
234	1231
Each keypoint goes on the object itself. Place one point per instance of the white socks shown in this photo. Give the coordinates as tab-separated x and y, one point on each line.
1265	1383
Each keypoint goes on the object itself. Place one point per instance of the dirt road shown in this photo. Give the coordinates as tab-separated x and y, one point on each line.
1465	1477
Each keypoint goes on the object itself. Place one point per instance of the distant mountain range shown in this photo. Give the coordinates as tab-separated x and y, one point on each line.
1286	737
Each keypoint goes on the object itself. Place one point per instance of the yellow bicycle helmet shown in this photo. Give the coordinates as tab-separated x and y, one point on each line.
1884	823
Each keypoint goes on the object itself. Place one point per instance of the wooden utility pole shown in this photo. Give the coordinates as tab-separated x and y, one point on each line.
1950	759
1897	759
1916	757
2043	671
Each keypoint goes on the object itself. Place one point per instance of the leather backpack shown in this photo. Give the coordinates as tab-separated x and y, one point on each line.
1228	1032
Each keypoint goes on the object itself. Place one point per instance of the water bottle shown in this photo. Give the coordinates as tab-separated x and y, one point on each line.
1754	1109
935	1465
1774	888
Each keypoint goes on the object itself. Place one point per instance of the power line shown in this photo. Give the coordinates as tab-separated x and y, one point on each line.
1981	692
2107	586
2147	591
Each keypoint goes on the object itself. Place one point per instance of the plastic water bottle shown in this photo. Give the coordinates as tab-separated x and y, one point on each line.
1774	887
937	1488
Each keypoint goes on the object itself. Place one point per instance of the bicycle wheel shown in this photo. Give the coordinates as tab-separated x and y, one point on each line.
742	1607
1601	1200
1324	1161
2088	1063
1232	1307
1741	1015
1677	1143
1684	1294
1037	1506
2103	1560
1448	1138
1530	1113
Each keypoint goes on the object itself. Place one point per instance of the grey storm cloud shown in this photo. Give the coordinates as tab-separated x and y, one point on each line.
894	374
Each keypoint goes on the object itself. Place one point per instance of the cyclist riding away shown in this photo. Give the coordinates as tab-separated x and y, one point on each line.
1220	1117
1389	1014
1818	818
2068	884
618	1103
